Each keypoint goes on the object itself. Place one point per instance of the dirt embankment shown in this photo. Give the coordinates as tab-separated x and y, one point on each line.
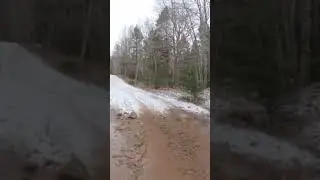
157	147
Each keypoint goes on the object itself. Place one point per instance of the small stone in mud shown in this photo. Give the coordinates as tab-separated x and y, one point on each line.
162	116
119	114
132	115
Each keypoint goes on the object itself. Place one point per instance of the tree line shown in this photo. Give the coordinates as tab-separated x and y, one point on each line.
171	51
74	27
270	47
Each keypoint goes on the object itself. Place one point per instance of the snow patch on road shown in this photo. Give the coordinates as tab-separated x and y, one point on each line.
127	98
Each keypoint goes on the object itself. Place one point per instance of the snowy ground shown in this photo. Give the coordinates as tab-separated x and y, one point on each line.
173	93
205	98
240	141
48	114
127	98
256	143
52	116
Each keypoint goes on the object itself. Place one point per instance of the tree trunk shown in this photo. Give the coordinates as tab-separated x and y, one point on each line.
304	59
155	67
86	30
137	67
174	42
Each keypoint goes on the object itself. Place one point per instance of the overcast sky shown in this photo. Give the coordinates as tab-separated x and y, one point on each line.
124	13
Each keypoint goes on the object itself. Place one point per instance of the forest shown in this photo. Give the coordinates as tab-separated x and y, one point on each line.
269	47
171	51
265	59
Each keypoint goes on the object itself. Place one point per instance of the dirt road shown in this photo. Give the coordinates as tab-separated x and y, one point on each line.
46	115
156	147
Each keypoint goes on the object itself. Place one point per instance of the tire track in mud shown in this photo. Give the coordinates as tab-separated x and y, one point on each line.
173	148
127	155
185	148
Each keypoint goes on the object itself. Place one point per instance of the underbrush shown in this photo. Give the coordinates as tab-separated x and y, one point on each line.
91	71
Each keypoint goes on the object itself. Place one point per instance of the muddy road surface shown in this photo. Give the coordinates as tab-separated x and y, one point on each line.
175	147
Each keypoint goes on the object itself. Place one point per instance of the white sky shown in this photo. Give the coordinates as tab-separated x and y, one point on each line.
124	13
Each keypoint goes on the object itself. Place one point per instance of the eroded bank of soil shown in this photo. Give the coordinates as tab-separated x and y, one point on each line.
157	148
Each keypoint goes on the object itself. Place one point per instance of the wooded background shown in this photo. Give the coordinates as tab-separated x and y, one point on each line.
270	47
74	27
264	47
171	51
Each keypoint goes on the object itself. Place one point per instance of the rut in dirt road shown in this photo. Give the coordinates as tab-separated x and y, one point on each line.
156	137
127	145
161	148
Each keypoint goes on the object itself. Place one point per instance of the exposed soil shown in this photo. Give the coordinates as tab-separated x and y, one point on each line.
158	148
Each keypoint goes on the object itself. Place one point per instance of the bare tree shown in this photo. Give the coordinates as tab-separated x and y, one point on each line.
162	50
137	38
86	28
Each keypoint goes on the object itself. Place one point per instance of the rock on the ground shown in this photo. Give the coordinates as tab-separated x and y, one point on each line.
132	115
126	115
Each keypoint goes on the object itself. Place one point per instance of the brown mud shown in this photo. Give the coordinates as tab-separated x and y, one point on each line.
156	147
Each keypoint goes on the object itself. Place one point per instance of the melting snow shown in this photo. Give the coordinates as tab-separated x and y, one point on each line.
205	98
174	93
127	98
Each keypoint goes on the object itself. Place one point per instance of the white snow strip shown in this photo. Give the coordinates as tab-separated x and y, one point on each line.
173	93
185	106
240	141
179	95
128	98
